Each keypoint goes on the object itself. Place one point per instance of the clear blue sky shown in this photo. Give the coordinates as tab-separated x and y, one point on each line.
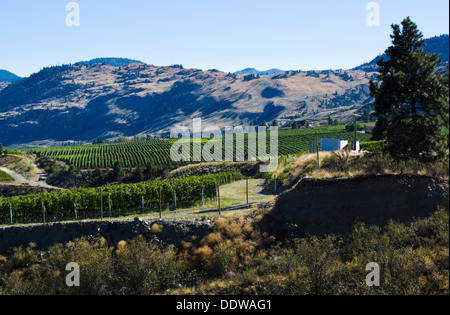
228	35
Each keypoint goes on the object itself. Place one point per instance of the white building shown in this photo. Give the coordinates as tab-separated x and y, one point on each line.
333	144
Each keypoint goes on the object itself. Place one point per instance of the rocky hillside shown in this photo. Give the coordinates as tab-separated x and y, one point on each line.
254	71
82	102
6	76
434	45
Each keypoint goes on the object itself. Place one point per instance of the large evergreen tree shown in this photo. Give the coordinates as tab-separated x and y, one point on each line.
411	100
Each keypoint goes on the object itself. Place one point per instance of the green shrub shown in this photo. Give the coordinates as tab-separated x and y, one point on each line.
413	259
373	146
5	177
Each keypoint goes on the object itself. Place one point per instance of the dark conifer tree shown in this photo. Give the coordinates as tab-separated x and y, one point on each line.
411	100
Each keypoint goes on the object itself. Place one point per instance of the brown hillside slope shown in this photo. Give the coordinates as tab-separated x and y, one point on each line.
85	102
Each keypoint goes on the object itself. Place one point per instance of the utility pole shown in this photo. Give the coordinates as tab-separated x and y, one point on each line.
317	150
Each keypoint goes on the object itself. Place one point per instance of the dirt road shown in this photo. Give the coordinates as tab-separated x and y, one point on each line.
20	180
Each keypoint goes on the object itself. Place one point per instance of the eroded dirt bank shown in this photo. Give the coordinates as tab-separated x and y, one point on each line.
310	207
334	206
170	231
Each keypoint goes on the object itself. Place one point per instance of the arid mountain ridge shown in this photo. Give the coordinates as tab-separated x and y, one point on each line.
111	97
83	102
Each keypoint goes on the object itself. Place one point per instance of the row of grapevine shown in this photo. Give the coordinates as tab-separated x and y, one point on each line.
157	152
123	198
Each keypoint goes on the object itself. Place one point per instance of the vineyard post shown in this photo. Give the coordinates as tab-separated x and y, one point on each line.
246	184
75	208
109	205
275	185
175	199
202	196
160	203
101	203
142	202
43	210
218	197
10	213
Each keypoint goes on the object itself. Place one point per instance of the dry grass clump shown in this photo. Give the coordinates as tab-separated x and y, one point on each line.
212	239
203	253
156	228
342	164
231	245
414	260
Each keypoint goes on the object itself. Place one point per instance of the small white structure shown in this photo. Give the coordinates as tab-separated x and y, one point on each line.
333	144
357	149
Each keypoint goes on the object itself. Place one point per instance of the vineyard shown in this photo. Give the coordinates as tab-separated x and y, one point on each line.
157	152
114	201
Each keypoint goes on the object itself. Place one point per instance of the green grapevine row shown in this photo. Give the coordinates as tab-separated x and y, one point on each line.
87	202
157	152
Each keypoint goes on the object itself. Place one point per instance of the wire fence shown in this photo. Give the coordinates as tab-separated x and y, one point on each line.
105	211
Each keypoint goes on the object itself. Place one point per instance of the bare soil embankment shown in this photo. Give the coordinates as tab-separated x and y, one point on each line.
311	207
328	206
169	231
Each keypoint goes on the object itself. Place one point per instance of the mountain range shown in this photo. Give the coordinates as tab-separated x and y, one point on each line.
434	45
254	71
6	76
112	97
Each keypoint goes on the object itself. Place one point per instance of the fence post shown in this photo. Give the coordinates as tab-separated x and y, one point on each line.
101	203
160	203
142	202
43	211
218	197
246	184
175	199
10	213
202	196
109	206
75	208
